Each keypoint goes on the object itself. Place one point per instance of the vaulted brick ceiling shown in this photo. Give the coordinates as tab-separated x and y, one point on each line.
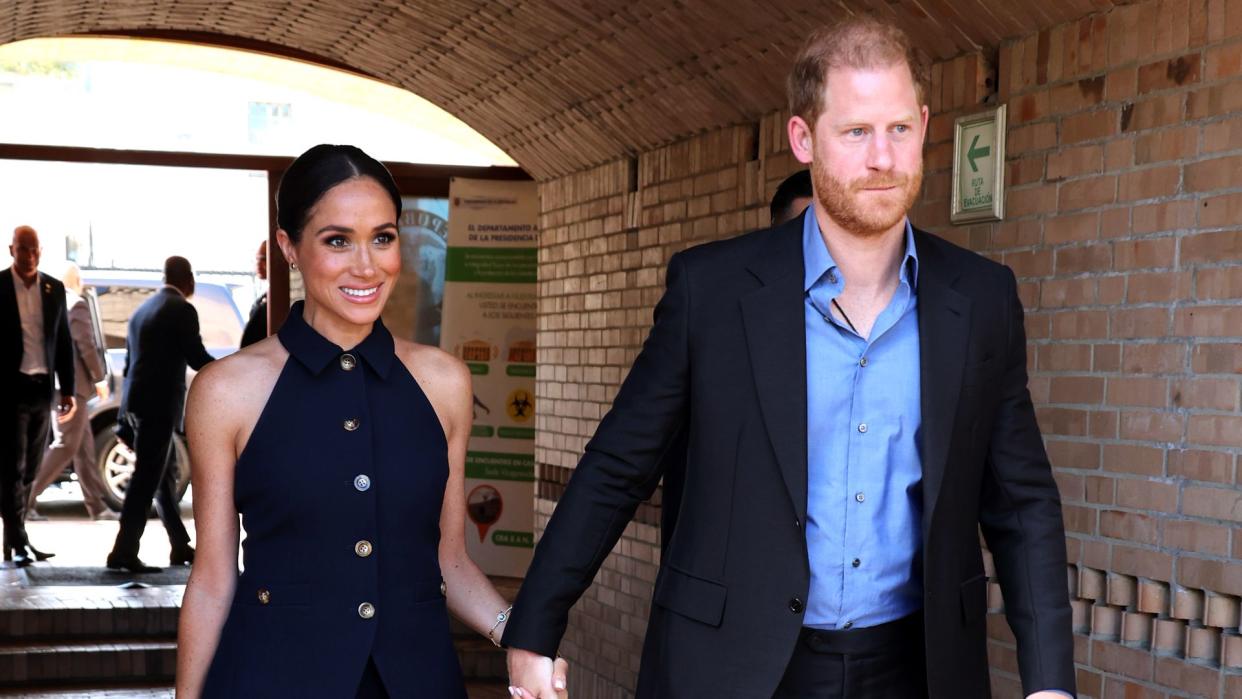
559	84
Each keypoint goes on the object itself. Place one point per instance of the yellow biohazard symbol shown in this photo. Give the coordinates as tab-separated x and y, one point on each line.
520	405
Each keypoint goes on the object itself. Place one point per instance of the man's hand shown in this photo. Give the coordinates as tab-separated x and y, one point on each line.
534	676
65	408
101	390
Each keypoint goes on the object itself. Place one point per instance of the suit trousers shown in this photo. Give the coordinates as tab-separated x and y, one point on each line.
72	442
154	477
24	427
880	662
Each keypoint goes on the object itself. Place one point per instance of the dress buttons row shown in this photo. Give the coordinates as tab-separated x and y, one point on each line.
362	483
351	424
366	610
348	362
363	548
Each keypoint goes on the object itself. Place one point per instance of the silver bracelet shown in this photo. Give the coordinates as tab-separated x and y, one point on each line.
500	619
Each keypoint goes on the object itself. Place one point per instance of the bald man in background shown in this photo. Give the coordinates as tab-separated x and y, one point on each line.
35	343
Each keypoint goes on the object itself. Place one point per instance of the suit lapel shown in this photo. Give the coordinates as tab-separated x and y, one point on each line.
944	329
9	310
776	338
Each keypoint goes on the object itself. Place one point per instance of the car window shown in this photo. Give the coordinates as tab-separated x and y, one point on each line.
116	305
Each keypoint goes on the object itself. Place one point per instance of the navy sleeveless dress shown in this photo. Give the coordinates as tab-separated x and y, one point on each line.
339	489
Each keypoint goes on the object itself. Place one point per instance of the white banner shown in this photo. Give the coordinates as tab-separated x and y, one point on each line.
489	322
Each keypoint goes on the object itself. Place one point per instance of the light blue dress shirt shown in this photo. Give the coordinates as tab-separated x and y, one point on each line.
865	474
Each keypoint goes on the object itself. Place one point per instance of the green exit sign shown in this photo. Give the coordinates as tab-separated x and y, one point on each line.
979	167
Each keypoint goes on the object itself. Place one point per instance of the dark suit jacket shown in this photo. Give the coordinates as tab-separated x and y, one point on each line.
726	361
57	346
256	326
163	339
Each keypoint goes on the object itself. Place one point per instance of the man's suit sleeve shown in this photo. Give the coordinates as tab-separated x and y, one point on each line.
619	470
191	341
1020	515
83	335
64	348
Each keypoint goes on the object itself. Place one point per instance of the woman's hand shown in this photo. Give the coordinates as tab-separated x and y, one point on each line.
534	676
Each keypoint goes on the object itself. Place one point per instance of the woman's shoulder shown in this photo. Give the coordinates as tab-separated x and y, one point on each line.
242	373
434	369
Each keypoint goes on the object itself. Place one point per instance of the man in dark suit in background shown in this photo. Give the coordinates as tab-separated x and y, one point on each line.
163	339
35	343
854	393
256	326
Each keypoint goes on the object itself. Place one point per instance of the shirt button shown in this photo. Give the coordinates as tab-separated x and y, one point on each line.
862	427
363	548
366	610
795	605
265	595
859	496
443	589
362	483
848	625
348	362
832	278
351	424
862	362
857	562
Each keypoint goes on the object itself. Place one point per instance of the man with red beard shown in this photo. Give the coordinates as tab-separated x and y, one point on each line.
854	393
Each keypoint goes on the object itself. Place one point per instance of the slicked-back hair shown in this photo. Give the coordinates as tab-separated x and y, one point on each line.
315	172
860	43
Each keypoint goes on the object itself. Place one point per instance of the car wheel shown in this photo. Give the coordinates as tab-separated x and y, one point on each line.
115	462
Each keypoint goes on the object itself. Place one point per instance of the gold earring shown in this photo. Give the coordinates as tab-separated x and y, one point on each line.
293	266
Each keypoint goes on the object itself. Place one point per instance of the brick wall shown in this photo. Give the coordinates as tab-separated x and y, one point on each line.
1124	226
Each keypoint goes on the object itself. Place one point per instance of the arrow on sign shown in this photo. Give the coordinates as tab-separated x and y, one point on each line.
975	152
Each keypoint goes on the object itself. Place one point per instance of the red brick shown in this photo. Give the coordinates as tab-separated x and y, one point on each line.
1218	430
1083	258
1081	520
1132	458
1032	106
1106	358
1224	61
1130	526
1217	173
1129	560
1089	192
1200	465
1141	494
1076	227
1115	222
1089	126
1101	490
1168	144
1134	391
1119	154
1218	283
1221	211
1196	536
1166	216
1110	290
1211	321
1152	113
1064	357
1121	84
1223	135
1210	575
1217	358
1159	287
1145	253
1115	658
1150	183
1071	325
1022	171
1206	394
1073	162
1029	263
1139	322
1062	421
1077	389
1212	247
1077	95
1031	137
1039	199
1064	453
1213	101
1151	426
1212	503
1169	73
1158	358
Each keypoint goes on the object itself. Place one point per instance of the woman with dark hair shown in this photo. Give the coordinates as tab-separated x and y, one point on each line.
343	450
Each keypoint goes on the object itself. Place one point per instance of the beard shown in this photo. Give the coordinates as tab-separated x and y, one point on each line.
866	214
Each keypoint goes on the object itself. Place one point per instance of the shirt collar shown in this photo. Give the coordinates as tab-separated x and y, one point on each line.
817	261
316	352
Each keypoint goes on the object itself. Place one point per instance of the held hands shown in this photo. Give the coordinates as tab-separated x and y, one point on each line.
534	676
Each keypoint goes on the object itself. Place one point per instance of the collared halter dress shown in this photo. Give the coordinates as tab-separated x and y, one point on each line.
339	490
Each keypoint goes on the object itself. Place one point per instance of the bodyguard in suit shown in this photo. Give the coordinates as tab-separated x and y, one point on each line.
256	325
73	440
854	393
35	344
163	338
